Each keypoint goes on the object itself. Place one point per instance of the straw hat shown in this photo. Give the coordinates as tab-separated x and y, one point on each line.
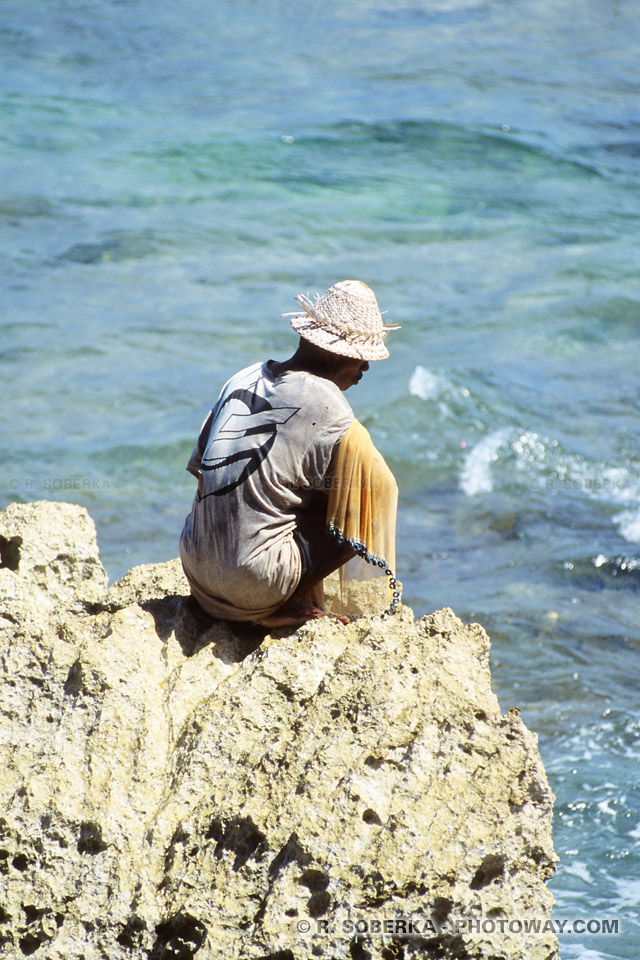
345	320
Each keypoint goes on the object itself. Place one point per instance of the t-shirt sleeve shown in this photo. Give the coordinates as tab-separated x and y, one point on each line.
193	466
332	417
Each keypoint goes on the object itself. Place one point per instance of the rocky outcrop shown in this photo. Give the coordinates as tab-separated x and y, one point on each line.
175	787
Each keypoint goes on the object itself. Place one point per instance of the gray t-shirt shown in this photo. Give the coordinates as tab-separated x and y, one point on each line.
262	453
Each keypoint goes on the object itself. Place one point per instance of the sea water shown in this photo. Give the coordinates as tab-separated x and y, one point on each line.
173	174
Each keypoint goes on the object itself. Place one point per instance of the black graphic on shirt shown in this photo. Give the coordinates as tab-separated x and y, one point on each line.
242	435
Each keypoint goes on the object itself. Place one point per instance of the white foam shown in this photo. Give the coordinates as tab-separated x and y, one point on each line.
628	891
621	482
629	523
476	473
531	450
605	807
425	384
578	869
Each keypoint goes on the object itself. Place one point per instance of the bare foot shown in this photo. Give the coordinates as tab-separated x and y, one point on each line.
294	613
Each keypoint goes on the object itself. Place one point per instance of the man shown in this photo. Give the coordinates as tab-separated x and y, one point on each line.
286	475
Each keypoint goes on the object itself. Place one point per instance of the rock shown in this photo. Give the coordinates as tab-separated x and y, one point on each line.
177	787
148	582
49	556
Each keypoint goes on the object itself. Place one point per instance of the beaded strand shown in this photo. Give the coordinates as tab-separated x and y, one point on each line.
360	550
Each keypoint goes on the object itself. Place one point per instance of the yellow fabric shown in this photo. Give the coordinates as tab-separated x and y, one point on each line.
363	497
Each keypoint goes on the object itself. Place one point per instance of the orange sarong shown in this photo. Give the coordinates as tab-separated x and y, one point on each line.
363	500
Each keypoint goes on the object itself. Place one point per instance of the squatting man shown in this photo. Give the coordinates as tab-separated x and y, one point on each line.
290	485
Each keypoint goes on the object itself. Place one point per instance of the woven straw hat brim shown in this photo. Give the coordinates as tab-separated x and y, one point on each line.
345	319
370	348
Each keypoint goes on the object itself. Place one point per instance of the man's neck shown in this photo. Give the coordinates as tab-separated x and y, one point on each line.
307	357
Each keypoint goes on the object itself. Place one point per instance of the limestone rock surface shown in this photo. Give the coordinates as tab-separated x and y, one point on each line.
175	787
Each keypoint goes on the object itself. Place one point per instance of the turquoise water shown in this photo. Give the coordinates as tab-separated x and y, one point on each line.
174	174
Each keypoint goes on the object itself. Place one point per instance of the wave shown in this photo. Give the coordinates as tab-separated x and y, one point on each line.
509	457
475	476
